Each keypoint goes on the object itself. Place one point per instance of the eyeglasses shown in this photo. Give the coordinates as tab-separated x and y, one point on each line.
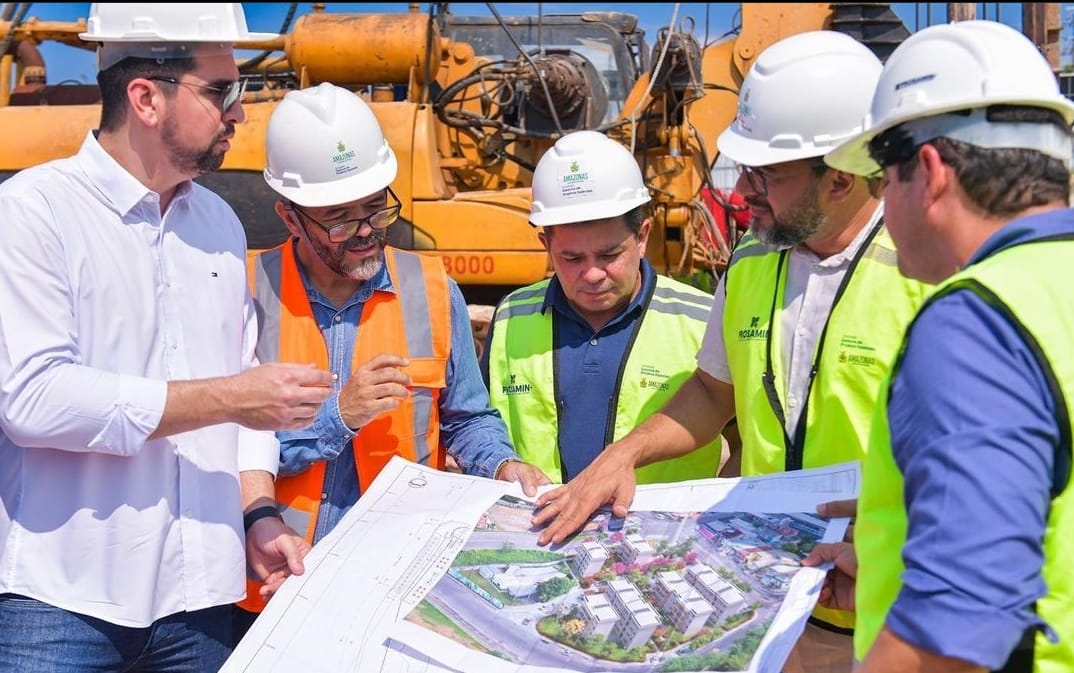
893	147
337	233
226	95
759	178
877	183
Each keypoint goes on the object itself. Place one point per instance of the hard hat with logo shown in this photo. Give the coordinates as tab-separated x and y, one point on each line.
585	176
804	95
325	147
967	65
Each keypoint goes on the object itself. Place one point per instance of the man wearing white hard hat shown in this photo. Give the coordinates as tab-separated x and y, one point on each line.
807	317
390	325
576	361
130	393
965	526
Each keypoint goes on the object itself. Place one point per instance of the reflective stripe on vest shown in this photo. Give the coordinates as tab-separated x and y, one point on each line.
880	531
859	345
414	321
661	356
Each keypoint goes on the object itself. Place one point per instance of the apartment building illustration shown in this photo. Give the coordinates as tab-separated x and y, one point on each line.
600	616
637	619
681	604
588	559
724	597
636	549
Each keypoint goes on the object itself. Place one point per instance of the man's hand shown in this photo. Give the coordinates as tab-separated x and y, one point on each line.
525	474
607	480
374	388
274	551
837	509
838	589
279	395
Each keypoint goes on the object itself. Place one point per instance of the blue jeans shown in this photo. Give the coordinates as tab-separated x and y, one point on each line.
38	638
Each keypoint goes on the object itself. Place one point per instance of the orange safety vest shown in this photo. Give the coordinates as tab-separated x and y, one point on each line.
414	322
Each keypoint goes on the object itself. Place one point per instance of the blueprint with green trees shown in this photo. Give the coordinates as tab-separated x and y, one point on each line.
434	571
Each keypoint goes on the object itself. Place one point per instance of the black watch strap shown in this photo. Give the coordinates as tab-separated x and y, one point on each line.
258	513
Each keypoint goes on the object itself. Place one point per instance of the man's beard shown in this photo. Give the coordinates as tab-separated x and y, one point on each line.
794	227
190	161
333	257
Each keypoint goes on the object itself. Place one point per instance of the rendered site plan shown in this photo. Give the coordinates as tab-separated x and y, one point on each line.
658	591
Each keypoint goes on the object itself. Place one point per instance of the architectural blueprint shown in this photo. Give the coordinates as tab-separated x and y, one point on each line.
433	571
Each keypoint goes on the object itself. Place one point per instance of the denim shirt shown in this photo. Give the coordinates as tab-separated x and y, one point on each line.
473	432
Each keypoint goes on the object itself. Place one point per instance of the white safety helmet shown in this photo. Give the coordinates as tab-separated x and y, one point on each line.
585	176
157	30
157	22
960	66
325	147
804	95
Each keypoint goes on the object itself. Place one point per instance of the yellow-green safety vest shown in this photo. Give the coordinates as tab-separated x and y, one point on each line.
880	531
660	358
852	356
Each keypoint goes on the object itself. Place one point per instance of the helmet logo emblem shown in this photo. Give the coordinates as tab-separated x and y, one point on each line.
745	112
915	80
575	183
344	159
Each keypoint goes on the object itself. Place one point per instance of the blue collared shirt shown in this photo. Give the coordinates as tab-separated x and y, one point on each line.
470	428
584	398
976	445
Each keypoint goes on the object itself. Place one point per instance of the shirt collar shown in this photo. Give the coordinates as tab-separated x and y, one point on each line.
1058	222
382	282
116	185
847	254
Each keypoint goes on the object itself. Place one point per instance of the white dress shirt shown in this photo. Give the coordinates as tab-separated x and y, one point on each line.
102	301
812	284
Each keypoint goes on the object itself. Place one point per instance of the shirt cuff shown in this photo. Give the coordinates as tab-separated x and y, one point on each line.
936	622
143	401
487	465
503	462
330	424
258	450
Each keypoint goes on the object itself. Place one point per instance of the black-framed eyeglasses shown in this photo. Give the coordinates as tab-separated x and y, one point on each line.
346	230
759	177
226	95
893	147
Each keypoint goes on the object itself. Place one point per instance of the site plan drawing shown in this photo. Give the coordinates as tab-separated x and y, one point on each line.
435	571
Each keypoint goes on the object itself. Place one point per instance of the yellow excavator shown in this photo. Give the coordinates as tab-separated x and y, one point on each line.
469	104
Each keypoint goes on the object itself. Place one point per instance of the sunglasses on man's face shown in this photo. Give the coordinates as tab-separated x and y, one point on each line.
893	147
224	95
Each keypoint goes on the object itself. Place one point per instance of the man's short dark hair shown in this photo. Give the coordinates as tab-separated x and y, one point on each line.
113	83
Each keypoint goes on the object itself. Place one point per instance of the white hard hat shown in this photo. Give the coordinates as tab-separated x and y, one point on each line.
959	66
154	22
804	95
585	176
325	147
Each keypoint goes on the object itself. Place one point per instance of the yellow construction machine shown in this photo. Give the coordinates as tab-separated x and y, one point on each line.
469	104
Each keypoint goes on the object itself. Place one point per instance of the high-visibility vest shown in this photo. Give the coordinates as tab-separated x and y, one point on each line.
856	349
414	322
660	357
880	531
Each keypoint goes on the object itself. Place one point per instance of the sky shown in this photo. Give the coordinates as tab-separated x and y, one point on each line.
66	63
